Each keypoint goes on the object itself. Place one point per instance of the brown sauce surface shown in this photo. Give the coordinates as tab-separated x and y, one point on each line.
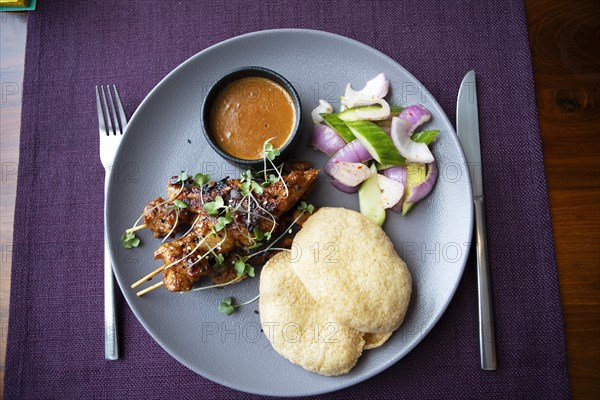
250	111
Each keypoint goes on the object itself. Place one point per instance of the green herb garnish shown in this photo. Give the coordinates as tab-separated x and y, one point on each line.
226	306
130	240
270	152
242	267
180	204
212	207
182	177
305	207
271	179
201	179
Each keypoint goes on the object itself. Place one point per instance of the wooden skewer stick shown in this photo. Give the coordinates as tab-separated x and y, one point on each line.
136	228
149	289
149	276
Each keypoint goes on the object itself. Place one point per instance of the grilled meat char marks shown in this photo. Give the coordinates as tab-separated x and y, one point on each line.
181	273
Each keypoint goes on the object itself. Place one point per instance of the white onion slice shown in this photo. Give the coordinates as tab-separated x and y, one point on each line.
377	87
398	174
391	191
323	108
412	151
373	93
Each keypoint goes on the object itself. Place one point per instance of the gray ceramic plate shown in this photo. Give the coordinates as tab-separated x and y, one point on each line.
164	137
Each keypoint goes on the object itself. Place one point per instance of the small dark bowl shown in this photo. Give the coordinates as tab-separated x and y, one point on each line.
247	72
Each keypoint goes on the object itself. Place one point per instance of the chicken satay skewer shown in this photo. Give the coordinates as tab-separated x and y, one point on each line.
149	289
136	228
158	270
163	267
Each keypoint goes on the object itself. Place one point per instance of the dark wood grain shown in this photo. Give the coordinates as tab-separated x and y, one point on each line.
565	44
564	38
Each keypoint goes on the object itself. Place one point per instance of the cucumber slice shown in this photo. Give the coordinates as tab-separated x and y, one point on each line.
425	137
394	112
376	141
383	167
371	113
369	199
335	123
415	174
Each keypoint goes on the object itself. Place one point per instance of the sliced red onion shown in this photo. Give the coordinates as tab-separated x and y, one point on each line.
396	173
326	140
323	108
409	149
345	188
415	115
391	191
348	173
353	152
421	190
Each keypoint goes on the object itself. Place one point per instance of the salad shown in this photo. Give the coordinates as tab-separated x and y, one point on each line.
374	150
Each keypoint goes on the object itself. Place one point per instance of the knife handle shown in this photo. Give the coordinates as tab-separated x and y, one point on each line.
487	344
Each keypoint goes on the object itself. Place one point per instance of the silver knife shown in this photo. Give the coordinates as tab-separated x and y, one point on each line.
467	128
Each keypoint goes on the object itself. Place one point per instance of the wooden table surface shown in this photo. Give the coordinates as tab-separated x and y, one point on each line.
564	37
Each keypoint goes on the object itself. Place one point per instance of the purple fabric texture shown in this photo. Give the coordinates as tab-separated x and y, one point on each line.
55	342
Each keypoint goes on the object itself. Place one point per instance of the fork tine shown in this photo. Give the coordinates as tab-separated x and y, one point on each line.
107	113
101	125
114	112
122	116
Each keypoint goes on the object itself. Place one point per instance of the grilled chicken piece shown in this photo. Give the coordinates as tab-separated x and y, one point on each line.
160	217
186	259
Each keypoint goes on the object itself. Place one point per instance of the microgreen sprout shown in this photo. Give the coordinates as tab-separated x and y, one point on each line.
180	204
306	207
213	207
130	240
228	306
246	176
260	235
219	260
271	179
182	177
222	222
249	184
177	205
201	179
242	267
256	188
270	153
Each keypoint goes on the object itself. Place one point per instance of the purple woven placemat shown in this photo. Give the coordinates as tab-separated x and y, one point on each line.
55	341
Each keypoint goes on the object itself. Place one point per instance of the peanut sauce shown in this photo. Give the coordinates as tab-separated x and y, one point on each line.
247	113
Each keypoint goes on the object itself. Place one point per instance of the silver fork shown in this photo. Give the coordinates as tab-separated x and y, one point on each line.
111	132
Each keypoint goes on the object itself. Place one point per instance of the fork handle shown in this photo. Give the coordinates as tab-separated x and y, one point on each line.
111	344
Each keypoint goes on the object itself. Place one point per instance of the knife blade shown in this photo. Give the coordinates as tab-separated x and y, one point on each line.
467	129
